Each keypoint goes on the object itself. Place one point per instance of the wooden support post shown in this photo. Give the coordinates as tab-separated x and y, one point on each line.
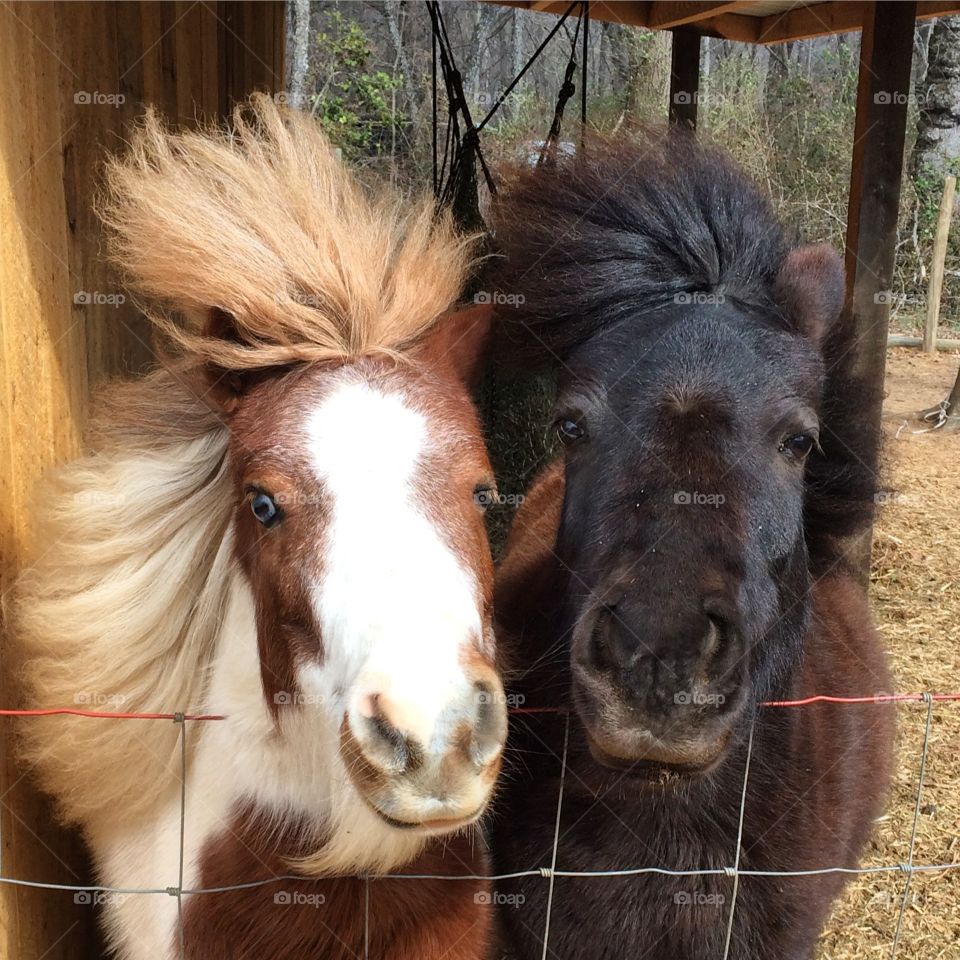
935	289
685	78
886	50
64	331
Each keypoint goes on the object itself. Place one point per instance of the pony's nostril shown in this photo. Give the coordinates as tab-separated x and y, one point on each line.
612	646
384	744
490	724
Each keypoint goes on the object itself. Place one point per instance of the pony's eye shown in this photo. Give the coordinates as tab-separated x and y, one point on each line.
265	508
798	446
569	431
484	495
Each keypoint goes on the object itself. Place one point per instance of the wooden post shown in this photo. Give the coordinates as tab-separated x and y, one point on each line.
685	78
935	289
72	77
886	50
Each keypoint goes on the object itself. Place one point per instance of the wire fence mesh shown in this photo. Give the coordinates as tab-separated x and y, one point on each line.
908	868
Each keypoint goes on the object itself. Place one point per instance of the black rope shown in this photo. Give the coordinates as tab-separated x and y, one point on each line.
536	53
455	183
567	90
454	178
585	16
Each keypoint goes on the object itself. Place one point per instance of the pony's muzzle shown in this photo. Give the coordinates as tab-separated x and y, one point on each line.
660	685
422	767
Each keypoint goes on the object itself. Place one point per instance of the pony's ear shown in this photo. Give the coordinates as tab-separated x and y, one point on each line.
459	339
811	287
221	387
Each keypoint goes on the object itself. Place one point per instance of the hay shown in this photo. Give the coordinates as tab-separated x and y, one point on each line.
916	598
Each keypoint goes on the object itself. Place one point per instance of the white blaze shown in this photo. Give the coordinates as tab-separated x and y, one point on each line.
395	605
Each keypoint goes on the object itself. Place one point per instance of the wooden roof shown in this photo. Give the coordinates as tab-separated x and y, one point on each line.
749	21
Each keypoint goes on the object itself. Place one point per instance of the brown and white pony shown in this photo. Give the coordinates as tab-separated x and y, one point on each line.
283	526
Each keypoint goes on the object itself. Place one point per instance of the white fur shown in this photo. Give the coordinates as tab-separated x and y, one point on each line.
396	607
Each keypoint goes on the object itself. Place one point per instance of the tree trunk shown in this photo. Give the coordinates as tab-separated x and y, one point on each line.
299	47
517	54
938	128
391	11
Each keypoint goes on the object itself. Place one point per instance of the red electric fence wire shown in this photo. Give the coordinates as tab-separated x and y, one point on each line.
102	715
820	698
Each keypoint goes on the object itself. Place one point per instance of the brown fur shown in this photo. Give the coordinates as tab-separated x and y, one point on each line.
251	924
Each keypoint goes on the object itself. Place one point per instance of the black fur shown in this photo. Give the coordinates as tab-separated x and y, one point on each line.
692	341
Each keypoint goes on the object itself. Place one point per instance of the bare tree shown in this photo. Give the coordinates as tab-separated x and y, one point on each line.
298	43
938	127
392	12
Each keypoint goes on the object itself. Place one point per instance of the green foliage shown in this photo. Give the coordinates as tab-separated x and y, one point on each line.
353	102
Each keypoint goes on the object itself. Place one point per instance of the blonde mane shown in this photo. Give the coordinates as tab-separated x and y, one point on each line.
120	609
264	221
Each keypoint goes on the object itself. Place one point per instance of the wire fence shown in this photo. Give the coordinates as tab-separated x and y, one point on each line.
908	868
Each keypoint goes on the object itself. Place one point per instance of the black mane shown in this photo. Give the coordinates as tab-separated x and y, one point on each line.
624	229
618	232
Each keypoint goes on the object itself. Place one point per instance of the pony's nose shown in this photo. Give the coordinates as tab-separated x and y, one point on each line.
630	639
398	736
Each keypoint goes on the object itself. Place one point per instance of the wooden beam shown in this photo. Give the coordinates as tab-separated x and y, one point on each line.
685	78
820	19
840	16
666	15
731	21
727	26
886	51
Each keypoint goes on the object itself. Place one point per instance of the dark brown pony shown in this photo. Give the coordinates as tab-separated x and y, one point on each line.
681	564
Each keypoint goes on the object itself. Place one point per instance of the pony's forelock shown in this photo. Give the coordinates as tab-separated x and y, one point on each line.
262	220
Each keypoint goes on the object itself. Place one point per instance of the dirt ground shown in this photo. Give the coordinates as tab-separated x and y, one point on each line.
915	587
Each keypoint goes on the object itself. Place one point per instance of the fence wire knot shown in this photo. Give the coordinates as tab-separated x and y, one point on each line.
173	891
729	871
178	717
546	872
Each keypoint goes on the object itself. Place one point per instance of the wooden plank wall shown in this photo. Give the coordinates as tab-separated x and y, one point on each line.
72	78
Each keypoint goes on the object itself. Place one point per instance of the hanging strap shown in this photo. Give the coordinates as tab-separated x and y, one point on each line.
567	90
